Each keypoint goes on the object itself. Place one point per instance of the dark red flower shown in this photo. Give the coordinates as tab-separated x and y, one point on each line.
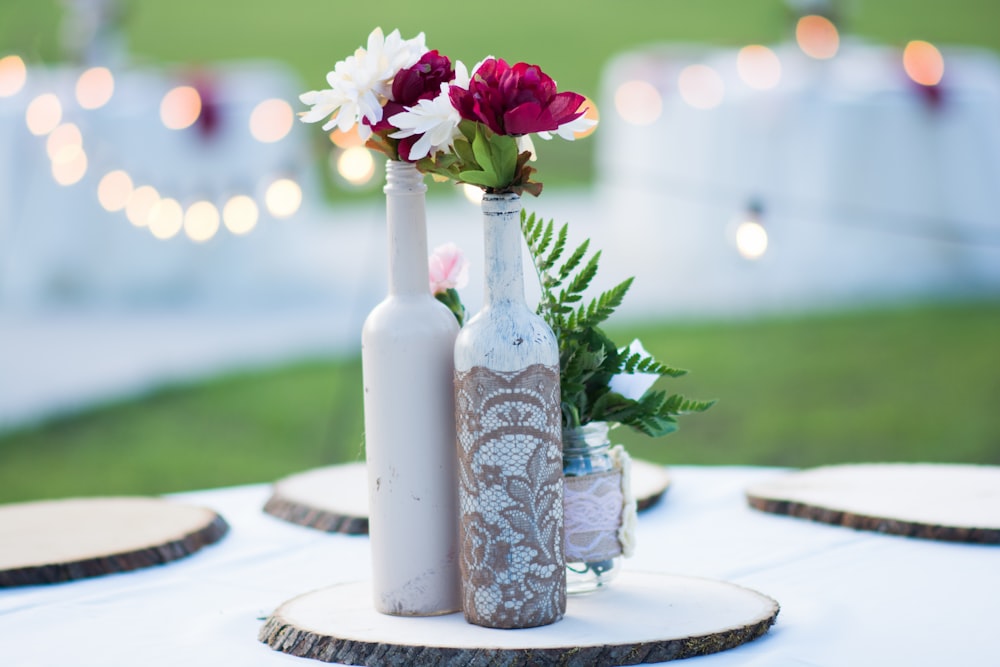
515	100
421	81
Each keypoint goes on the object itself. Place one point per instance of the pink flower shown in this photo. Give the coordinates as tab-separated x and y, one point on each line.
515	100
448	268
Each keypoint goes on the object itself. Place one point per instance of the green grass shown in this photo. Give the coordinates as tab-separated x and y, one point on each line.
916	384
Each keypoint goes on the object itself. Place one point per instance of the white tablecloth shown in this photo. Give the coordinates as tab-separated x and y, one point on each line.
847	597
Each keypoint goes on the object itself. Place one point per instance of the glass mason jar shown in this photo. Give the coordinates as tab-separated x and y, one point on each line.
593	508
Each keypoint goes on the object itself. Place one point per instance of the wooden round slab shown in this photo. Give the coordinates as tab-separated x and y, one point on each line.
643	618
958	503
335	498
52	541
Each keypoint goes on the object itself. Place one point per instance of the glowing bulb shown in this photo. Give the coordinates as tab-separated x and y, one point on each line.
201	221
271	120
817	36
751	239
356	165
759	67
180	107
240	214
13	75
165	218
345	140
283	198
139	204
638	102
591	113
923	63
71	171
473	193
44	114
95	87
114	190
64	143
701	86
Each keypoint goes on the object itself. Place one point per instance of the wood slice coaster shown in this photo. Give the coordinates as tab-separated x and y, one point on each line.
642	618
335	498
51	541
957	503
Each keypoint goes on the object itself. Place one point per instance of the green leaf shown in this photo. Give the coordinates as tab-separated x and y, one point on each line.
480	178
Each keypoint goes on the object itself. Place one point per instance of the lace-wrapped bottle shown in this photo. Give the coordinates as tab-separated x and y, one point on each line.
509	421
598	506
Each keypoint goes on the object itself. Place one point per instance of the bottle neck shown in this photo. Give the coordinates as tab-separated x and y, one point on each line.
406	225
502	249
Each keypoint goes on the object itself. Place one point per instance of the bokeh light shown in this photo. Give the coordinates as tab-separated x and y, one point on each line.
139	204
201	221
356	165
473	193
13	75
95	87
638	103
701	86
70	171
345	140
817	36
590	112
180	107
165	218
44	114
271	120
283	198
114	190
758	67
64	143
923	63
751	239
240	214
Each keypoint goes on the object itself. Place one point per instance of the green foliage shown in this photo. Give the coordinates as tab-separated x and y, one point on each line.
588	358
484	158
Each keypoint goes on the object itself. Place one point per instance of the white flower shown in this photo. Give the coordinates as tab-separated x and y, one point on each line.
633	385
436	120
361	83
569	130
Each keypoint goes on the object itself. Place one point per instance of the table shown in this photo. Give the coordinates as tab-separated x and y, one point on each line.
847	597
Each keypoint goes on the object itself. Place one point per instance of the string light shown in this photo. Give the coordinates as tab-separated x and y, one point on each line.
758	67
180	108
283	198
923	63
270	121
638	103
240	214
701	86
750	235
201	221
95	87
114	190
356	165
13	75
165	218
817	36
44	114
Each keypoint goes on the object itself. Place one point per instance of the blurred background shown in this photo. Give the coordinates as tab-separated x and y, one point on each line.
806	193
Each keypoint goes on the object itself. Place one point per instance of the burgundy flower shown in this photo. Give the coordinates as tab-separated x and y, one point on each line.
410	85
515	100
